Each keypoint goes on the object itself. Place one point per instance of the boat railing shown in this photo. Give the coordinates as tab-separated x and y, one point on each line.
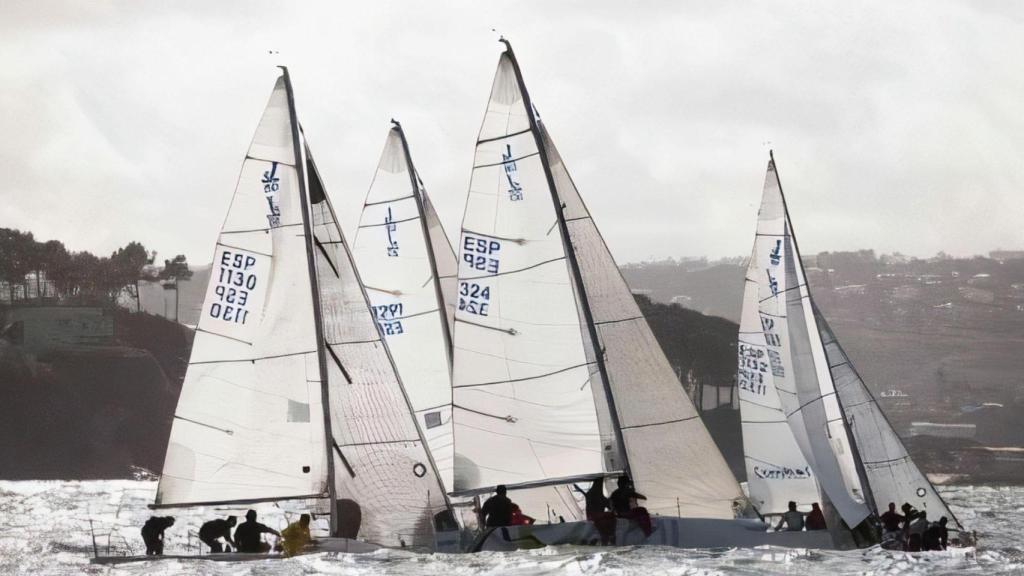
110	540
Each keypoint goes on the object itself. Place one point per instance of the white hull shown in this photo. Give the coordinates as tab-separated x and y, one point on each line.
676	532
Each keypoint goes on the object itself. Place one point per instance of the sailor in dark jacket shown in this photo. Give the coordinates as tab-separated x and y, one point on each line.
153	533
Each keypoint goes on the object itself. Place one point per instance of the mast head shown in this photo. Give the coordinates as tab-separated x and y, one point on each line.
508	45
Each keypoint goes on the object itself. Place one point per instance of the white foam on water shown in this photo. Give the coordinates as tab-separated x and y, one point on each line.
44	530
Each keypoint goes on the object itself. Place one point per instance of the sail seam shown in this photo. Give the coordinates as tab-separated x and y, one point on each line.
602	322
496	138
379	202
509	161
791	288
514	380
517	270
198	329
694	417
819	398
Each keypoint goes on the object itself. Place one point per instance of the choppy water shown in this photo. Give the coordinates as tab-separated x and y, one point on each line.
44	529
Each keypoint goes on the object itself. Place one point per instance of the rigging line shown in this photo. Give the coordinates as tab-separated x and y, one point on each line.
617	321
496	138
257	229
348	467
517	270
197	423
289	164
510	419
510	331
326	256
765	406
838	365
389	223
694	417
338	362
223	245
331	242
764	421
514	380
251	359
771	315
379	202
811	401
509	161
198	329
587	217
519	241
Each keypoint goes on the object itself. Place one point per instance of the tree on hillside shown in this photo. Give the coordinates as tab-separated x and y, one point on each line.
176	269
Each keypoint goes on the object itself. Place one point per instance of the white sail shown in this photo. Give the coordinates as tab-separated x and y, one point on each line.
524	413
797	358
394	253
891	474
673	460
247	426
381	462
777	471
444	259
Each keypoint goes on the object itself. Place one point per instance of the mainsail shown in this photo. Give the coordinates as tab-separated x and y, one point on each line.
398	242
777	471
247	425
671	456
797	359
891	473
523	411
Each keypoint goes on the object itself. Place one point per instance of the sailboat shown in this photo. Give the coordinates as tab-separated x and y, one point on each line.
812	431
557	377
409	269
291	392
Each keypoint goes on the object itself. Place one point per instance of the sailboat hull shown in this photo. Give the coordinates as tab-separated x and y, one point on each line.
675	532
338	545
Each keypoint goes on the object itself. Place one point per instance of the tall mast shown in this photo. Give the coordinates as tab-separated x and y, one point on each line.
571	255
861	473
307	228
413	179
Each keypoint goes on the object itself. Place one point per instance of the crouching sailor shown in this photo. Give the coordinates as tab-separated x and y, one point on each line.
211	532
295	537
153	533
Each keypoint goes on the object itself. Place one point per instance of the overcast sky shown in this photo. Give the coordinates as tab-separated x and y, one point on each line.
895	125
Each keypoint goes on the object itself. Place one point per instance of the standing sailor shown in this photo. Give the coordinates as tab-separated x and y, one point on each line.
497	510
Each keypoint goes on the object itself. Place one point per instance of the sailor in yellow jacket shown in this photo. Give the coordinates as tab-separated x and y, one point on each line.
296	536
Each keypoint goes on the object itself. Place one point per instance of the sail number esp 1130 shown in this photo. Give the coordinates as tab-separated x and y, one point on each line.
236	279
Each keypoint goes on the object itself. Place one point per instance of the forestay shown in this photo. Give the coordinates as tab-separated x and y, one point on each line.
891	473
246	427
797	359
777	471
672	458
381	460
524	412
395	252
